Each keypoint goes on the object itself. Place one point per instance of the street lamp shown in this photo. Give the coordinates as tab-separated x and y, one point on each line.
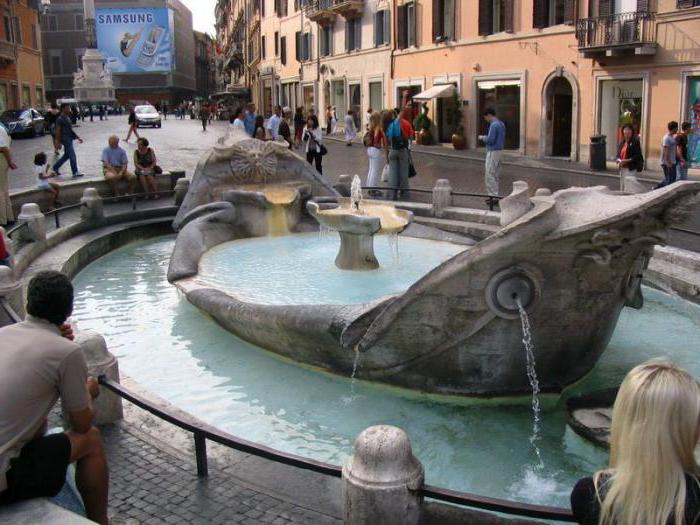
45	4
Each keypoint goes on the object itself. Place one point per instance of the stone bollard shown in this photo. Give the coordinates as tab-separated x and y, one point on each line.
11	289
35	231
181	187
108	406
381	479
442	196
343	185
92	209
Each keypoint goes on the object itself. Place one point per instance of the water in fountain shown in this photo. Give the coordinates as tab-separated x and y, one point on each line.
393	240
356	193
532	377
324	231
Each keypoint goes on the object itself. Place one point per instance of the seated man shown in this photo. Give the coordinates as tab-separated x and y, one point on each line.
115	164
38	363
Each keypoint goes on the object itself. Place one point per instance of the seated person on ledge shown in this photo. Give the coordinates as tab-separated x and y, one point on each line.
39	363
115	164
652	478
146	168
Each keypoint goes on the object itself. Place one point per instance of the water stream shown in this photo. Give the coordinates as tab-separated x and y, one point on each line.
353	378
532	378
393	240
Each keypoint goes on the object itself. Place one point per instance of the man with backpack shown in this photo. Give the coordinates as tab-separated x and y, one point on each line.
399	134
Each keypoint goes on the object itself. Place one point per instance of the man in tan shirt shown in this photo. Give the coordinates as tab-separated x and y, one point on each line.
39	363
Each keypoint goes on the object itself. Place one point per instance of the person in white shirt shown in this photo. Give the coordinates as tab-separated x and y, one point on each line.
350	132
6	162
41	170
237	122
273	125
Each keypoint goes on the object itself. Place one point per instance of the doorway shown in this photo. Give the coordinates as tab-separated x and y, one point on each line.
355	99
558	123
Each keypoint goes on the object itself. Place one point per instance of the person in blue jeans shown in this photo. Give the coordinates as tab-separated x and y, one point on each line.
64	136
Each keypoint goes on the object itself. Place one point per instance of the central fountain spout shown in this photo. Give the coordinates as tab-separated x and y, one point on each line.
357	221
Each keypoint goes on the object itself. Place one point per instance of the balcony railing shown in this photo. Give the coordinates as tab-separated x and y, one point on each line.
325	11
617	33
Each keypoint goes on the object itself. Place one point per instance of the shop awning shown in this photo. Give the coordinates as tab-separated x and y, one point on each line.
439	91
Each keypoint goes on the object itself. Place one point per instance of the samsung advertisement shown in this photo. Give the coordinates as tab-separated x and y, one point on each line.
136	40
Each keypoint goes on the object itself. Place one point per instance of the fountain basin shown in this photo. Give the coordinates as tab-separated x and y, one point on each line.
357	223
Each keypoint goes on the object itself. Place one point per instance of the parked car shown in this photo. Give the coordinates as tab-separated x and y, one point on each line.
147	116
27	122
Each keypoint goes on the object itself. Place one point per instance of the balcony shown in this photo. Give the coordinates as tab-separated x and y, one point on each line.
617	35
7	53
325	11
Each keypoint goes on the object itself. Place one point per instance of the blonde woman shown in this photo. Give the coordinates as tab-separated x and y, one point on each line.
652	477
377	152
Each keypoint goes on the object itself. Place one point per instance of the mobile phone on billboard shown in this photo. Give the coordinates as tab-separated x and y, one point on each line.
150	47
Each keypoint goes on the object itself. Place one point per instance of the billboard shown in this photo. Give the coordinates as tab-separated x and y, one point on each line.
135	40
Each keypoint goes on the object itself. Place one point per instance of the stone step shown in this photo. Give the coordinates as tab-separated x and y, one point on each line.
470	229
678	257
668	276
472	215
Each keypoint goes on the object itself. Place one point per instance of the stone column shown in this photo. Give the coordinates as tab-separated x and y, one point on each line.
90	29
181	187
35	231
442	196
381	479
92	209
11	289
108	406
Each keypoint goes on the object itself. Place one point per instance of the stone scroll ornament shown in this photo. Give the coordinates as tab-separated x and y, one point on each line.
236	159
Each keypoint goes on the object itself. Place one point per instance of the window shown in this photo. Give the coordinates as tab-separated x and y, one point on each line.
381	27
326	41
56	63
683	4
281	8
26	96
16	30
50	23
406	26
547	13
8	28
283	50
495	16
353	34
79	23
277	43
303	46
264	48
39	96
443	20
262	8
35	38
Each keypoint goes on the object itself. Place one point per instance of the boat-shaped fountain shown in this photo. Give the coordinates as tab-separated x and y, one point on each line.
572	260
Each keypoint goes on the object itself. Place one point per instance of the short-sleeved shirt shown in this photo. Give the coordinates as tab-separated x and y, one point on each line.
669	142
274	126
66	126
5	139
115	157
682	141
37	366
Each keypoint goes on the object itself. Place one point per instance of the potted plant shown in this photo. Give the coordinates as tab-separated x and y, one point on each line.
422	125
457	120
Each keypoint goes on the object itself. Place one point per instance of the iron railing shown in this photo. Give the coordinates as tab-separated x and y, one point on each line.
617	30
315	6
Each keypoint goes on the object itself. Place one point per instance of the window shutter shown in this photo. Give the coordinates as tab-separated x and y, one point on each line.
401	29
414	24
604	7
308	48
452	20
540	15
682	4
297	46
348	30
570	11
387	27
437	14
375	38
508	16
485	17
642	6
283	50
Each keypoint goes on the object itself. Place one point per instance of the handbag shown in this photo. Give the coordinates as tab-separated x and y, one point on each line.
322	149
157	170
411	168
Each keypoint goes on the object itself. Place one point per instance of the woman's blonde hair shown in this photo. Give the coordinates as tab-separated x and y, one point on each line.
375	120
652	440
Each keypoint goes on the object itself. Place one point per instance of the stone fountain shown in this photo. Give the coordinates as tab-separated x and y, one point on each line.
357	222
573	259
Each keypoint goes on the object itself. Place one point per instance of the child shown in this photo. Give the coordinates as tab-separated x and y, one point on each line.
41	168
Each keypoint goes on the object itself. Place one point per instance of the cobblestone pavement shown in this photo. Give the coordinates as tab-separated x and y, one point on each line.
156	487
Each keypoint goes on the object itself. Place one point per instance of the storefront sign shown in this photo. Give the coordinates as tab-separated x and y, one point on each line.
692	114
136	40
